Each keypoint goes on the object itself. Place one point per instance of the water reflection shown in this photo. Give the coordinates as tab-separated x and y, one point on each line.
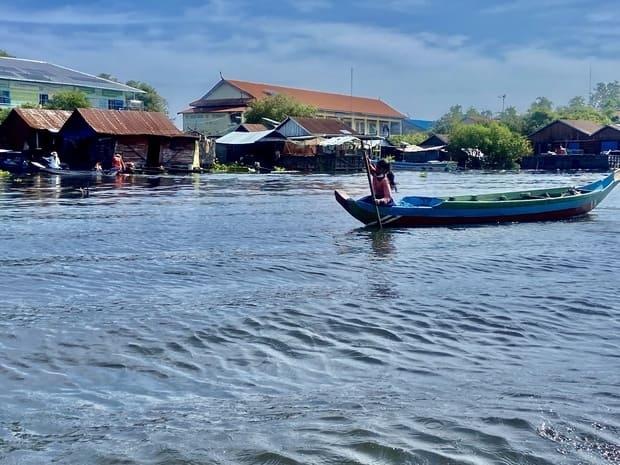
382	242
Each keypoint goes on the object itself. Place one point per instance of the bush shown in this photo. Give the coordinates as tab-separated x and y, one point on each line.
502	148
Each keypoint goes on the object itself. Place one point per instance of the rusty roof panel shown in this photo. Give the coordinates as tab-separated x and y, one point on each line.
321	100
36	118
129	123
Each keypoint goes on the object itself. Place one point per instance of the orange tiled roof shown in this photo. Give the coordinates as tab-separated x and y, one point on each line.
321	100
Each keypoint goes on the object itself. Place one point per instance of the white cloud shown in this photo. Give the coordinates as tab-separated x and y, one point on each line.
422	73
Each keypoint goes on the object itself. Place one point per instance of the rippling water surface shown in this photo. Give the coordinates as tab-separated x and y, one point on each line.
223	319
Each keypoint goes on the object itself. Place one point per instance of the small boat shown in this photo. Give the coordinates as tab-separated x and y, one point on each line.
532	205
433	165
69	172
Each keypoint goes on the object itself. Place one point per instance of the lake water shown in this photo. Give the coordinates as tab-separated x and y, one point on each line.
247	319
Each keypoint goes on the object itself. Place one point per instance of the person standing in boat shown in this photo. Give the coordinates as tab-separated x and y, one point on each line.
117	163
382	182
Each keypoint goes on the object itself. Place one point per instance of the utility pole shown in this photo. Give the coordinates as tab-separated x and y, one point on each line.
503	97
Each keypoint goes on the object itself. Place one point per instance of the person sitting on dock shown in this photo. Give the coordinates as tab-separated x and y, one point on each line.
117	163
382	182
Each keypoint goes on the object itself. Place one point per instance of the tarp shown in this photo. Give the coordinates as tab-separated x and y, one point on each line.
242	138
416	148
334	141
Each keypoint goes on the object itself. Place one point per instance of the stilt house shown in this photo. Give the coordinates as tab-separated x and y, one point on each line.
148	139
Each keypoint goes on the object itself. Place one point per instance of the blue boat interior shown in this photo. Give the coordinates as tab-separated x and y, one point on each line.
416	201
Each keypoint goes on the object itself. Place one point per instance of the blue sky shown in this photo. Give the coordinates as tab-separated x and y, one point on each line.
420	56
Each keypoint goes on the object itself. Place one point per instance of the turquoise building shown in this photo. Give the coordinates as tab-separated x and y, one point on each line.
35	82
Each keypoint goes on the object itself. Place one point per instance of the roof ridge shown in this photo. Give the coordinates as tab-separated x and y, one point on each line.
303	89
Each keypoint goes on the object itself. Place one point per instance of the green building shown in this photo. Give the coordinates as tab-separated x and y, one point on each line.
35	82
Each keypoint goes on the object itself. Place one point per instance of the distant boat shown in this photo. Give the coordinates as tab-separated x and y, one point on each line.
433	165
69	172
532	205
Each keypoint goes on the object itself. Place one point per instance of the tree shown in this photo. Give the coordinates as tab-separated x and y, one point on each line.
108	77
4	112
151	98
542	104
538	115
450	120
4	53
501	147
512	120
277	107
414	138
577	108
68	100
606	96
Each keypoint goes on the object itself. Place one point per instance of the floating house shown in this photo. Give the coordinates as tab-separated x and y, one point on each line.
435	140
320	144
246	147
36	82
574	135
147	139
223	107
32	130
573	145
608	137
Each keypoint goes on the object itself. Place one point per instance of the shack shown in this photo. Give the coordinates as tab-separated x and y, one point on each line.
146	139
320	144
575	136
33	131
248	148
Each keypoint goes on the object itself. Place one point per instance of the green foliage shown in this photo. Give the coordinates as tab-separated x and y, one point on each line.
151	99
4	53
107	76
606	97
577	108
68	100
4	112
277	107
448	122
501	147
410	139
229	168
512	120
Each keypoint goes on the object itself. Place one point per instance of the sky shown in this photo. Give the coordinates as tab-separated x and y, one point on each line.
420	56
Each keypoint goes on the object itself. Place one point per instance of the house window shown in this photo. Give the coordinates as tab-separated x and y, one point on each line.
361	127
5	97
114	104
43	99
372	128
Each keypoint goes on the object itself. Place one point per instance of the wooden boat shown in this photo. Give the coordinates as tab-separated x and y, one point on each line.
433	165
532	205
69	172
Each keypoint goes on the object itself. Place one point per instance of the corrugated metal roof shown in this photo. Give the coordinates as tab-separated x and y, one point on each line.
323	126
19	69
126	123
251	127
588	127
36	118
243	138
326	101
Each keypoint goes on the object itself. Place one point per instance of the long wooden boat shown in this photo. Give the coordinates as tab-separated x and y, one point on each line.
76	173
531	205
426	166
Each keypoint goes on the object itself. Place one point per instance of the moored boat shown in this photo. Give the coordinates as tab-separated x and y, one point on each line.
69	172
531	205
433	165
